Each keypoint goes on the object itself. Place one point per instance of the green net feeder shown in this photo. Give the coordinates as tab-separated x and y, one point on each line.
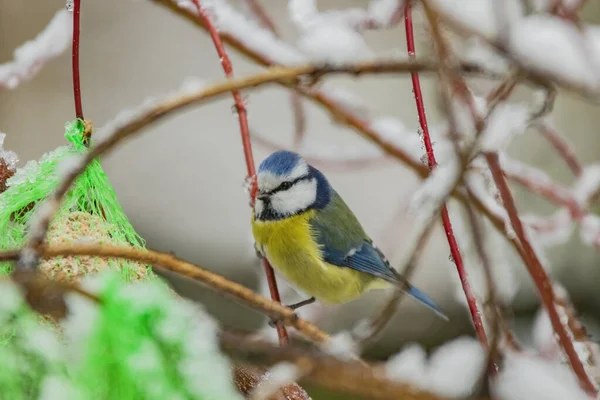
89	212
140	342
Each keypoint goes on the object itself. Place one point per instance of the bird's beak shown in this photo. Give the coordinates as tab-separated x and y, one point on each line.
262	196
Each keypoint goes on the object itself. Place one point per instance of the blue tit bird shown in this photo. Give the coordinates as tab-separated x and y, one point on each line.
312	238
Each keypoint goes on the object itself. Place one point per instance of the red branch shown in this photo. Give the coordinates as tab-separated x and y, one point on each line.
462	273
245	132
75	60
538	274
563	148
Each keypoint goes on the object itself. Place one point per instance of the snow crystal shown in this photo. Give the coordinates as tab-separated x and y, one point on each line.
479	15
192	85
346	99
26	174
55	387
430	195
562	227
552	45
590	230
453	369
410	365
10	157
479	52
303	12
393	131
10	297
463	117
501	257
341	345
279	375
334	43
29	58
505	121
587	184
249	32
382	11
525	377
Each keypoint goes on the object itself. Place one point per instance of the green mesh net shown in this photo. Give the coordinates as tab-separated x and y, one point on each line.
142	342
90	211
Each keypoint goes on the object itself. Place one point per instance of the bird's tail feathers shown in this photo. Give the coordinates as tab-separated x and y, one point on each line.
422	298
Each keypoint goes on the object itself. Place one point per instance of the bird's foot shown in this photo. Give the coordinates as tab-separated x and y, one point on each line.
295	306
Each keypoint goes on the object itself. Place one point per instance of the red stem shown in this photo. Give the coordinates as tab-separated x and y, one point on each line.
245	133
561	145
539	275
75	59
462	273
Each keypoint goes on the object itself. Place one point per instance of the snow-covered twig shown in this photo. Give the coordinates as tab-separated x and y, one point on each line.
561	145
31	56
454	250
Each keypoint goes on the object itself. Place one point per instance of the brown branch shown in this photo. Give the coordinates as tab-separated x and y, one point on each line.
562	147
326	371
539	276
246	377
213	281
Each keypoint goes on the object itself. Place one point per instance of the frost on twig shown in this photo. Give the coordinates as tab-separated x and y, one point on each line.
31	56
8	163
545	341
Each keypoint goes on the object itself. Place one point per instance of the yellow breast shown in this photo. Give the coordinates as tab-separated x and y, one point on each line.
290	247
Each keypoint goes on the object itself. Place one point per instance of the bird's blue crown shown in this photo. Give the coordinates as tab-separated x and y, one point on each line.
280	163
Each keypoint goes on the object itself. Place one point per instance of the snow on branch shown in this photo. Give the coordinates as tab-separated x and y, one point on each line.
32	55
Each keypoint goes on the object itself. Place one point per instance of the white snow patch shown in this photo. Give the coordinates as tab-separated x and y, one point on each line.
506	121
525	377
32	55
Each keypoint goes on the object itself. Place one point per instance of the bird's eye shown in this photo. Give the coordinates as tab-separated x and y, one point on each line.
285	185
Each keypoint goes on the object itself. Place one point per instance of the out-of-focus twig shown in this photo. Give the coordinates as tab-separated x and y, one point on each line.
348	377
561	145
454	250
539	276
494	317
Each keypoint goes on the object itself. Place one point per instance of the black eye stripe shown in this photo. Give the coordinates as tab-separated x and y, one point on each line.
291	183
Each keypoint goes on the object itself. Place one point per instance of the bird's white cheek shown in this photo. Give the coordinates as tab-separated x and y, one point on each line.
299	197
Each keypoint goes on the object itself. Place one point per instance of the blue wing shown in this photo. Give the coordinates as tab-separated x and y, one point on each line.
344	243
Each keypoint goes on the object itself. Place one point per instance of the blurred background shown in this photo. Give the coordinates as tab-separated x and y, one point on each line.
181	182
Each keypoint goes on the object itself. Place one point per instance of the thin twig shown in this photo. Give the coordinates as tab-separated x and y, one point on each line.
366	334
492	298
540	278
454	250
563	148
75	59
